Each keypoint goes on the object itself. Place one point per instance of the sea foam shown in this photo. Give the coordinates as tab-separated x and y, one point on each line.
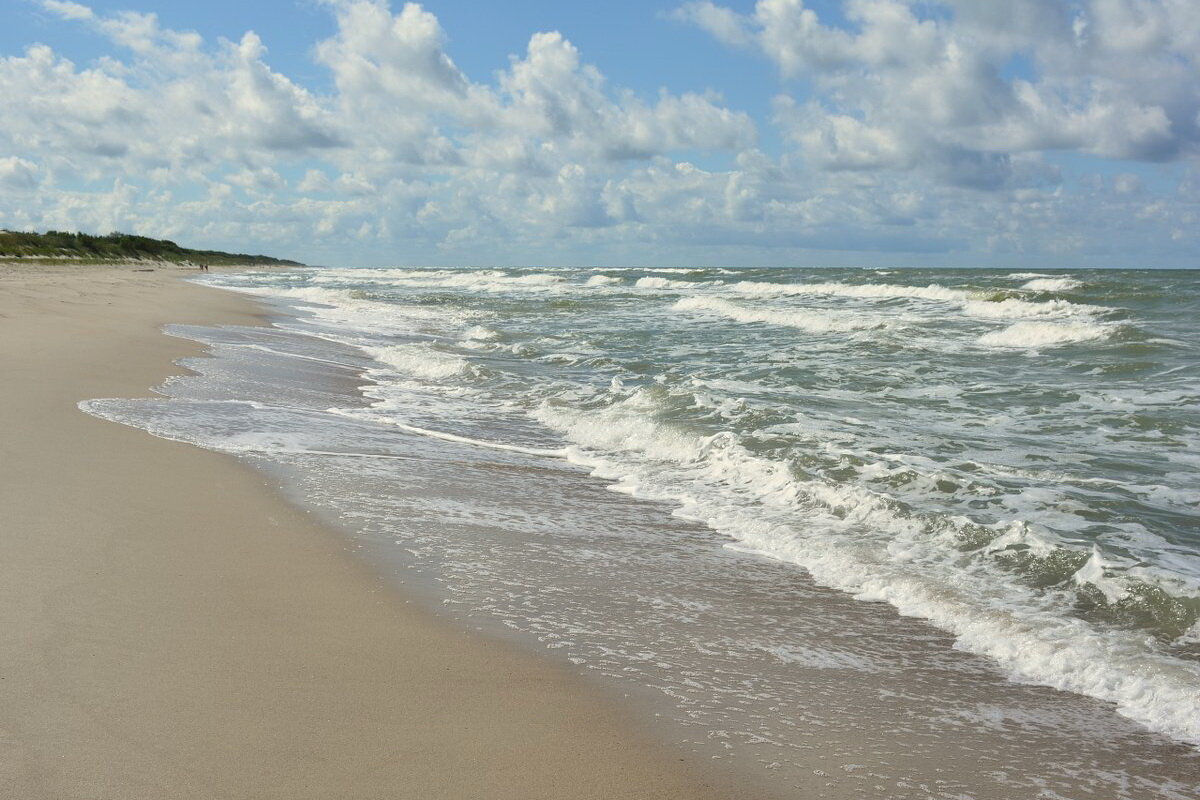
806	320
848	539
419	360
864	290
1034	335
1052	285
1012	308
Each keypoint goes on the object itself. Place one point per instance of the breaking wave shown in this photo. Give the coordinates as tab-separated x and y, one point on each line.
1047	334
811	321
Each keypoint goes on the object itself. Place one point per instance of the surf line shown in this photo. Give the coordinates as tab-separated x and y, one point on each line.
557	452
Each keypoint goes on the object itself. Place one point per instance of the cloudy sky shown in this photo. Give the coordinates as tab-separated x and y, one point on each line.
782	132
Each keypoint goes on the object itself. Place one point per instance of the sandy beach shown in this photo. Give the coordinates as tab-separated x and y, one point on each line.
171	628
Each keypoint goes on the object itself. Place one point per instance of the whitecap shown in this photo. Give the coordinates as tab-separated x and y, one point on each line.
858	290
1034	335
1052	285
655	282
1012	308
806	320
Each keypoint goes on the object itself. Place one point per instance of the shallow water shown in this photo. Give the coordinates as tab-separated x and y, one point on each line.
664	476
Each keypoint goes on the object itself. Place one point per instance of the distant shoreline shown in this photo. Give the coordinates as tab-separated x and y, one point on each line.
71	261
73	247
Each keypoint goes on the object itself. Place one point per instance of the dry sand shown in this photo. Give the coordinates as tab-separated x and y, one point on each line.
170	628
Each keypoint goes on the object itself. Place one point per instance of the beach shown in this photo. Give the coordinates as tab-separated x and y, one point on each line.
172	628
405	533
600	400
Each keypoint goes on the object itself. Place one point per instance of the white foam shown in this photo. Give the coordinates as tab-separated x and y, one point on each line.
601	280
858	290
806	320
1092	573
537	279
479	333
972	303
193	430
814	658
344	308
860	542
663	283
470	280
283	354
1052	285
1034	335
1013	308
419	360
557	452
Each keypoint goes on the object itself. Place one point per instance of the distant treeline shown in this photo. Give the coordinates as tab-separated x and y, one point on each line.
115	247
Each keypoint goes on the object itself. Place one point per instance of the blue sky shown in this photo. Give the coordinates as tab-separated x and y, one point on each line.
872	132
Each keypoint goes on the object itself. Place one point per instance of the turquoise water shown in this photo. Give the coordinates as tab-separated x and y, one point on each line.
1013	457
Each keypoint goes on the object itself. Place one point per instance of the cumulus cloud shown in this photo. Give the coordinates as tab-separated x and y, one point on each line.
551	94
907	127
173	104
965	83
549	108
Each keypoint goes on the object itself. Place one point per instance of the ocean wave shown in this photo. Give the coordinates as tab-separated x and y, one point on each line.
360	275
806	320
655	282
1034	335
860	542
494	281
1052	285
479	333
419	360
1012	308
857	290
355	309
971	303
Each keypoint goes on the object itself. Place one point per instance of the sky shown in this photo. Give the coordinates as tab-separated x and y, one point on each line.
1038	133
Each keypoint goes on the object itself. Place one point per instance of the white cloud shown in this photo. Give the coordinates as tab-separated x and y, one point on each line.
407	97
892	125
263	179
17	173
68	10
909	84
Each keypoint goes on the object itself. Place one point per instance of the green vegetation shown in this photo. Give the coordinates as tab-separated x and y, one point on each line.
60	245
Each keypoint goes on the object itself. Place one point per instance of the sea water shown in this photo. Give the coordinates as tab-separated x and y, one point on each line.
937	529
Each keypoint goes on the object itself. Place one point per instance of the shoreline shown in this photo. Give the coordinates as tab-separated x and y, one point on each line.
173	628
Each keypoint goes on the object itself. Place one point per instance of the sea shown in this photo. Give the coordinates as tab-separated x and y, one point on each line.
859	532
